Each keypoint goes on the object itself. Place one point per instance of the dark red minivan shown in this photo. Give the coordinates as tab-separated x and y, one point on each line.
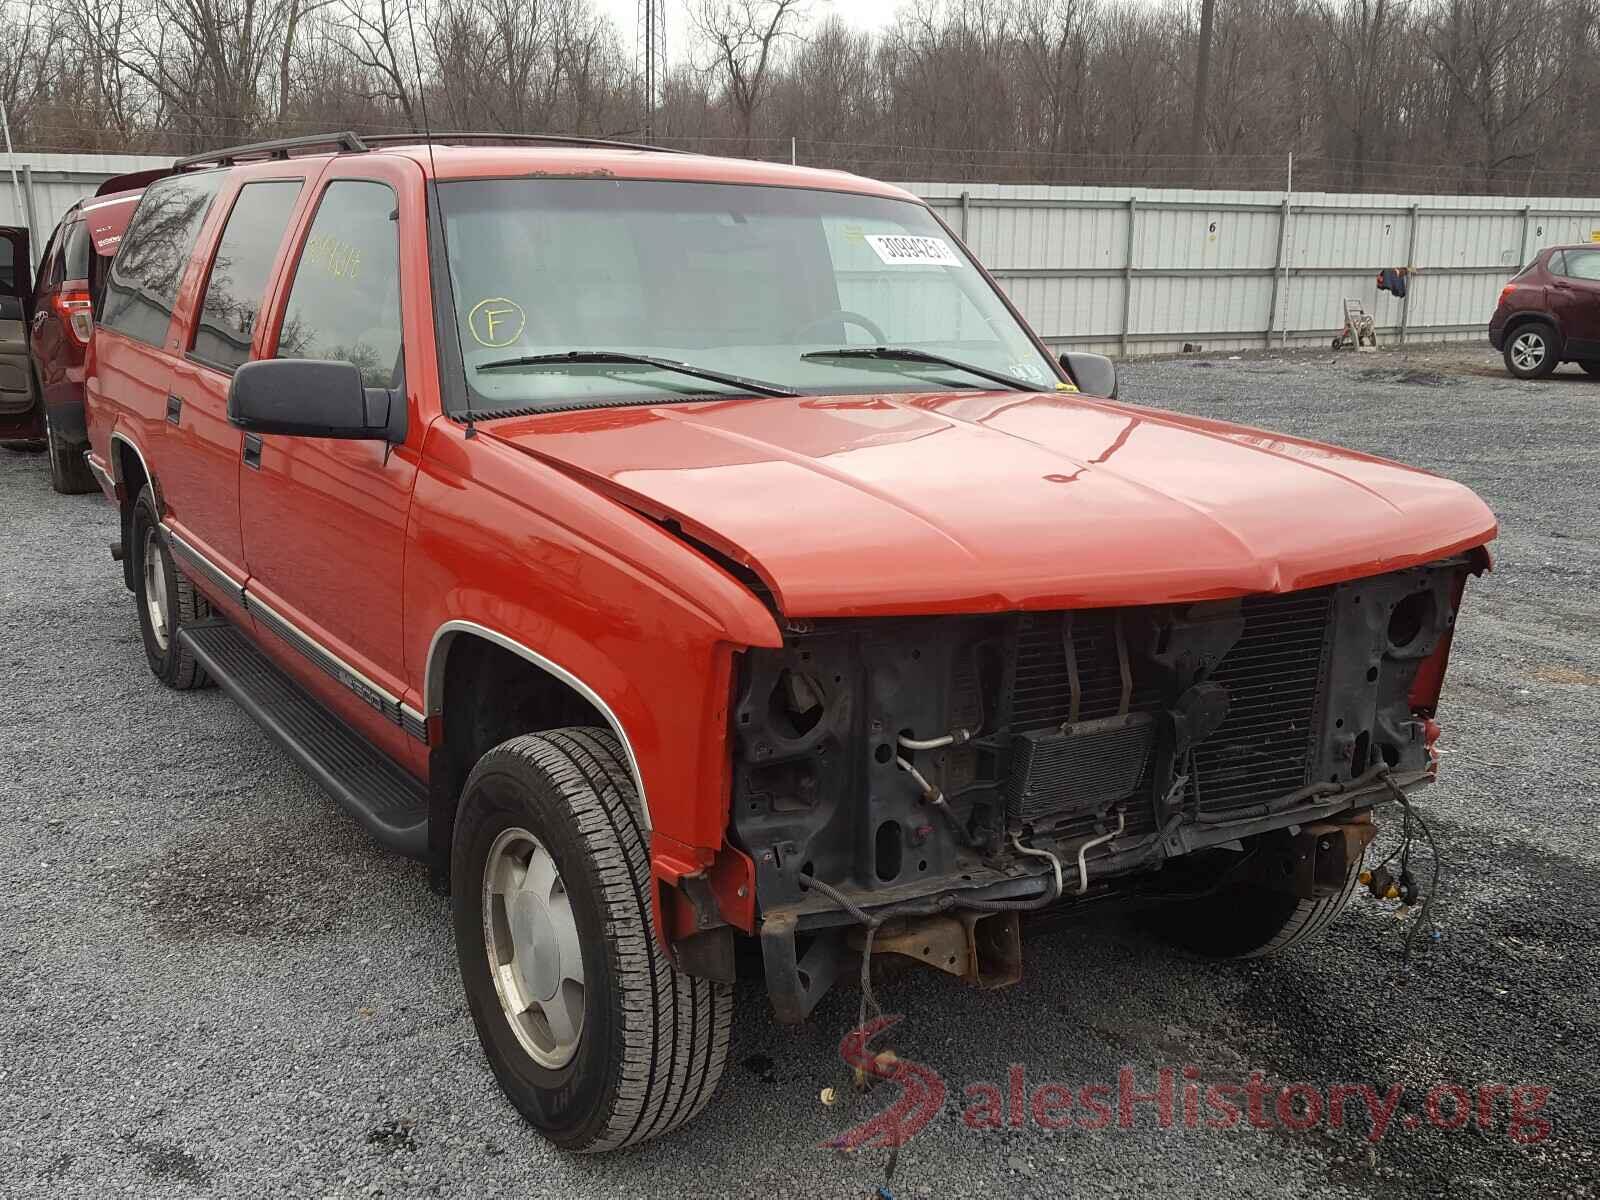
1550	313
46	322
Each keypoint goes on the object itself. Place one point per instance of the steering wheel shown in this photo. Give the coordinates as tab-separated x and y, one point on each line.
844	315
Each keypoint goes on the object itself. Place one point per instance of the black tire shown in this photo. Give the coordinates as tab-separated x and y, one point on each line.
653	1041
1532	350
1591	365
169	660
69	474
1250	920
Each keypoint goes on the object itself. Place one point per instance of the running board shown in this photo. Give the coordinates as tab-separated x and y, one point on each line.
375	789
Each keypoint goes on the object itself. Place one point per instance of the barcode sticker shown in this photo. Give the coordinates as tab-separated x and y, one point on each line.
903	249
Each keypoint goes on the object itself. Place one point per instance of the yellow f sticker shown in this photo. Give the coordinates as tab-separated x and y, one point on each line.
496	322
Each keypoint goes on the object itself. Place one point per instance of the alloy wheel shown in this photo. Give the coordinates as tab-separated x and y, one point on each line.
535	957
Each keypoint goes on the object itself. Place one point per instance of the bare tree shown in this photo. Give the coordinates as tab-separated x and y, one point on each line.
745	37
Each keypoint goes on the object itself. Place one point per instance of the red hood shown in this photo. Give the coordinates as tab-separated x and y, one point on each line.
965	502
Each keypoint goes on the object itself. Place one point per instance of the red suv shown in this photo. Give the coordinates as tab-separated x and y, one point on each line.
678	551
41	362
1550	313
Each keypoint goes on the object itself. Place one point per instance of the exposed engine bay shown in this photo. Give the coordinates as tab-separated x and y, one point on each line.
946	769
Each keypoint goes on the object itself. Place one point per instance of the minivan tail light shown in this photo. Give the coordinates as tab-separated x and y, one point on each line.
76	311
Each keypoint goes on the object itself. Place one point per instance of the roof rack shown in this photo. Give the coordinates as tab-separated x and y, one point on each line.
278	148
554	139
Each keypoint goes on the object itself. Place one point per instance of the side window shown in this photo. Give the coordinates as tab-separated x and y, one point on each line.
345	300
76	251
47	261
1583	264
143	286
1558	263
240	271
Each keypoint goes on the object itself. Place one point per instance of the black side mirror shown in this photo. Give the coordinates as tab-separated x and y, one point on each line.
1095	374
308	397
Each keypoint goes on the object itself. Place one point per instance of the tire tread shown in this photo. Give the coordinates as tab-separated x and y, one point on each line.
675	1027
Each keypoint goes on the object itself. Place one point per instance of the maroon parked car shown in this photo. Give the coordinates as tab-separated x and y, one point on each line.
1550	313
46	321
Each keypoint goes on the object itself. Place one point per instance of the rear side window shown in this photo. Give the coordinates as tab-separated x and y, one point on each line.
49	261
76	252
143	286
240	271
1583	264
344	303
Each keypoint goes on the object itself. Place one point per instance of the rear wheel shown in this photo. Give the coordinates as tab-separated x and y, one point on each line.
69	474
1250	920
594	1036
165	600
1531	351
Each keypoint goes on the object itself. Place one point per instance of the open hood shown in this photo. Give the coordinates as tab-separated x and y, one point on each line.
984	501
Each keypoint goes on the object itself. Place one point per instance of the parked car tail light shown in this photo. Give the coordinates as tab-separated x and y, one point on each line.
77	314
1505	292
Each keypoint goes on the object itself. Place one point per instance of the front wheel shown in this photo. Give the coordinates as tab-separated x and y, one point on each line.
1531	352
592	1033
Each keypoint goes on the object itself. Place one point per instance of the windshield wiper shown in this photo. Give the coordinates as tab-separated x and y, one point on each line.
644	360
908	354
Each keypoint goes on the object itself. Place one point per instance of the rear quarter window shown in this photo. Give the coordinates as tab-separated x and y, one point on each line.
142	288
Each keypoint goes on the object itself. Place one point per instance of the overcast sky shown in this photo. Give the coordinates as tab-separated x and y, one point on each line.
861	14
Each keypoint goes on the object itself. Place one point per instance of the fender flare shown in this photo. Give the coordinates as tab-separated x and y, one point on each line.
434	675
116	470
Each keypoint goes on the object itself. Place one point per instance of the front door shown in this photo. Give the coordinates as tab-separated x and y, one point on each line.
324	520
16	292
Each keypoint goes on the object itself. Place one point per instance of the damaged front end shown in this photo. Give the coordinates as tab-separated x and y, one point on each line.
934	776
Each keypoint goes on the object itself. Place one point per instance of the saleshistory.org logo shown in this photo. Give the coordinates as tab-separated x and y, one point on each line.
1176	1097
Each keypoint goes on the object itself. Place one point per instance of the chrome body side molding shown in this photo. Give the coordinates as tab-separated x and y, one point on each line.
433	687
380	699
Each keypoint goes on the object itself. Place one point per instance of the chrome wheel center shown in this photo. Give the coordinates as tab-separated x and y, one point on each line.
531	937
155	588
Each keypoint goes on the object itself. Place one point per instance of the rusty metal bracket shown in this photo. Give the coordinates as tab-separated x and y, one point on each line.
1322	854
985	949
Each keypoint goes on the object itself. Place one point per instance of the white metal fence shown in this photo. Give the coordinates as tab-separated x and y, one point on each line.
1145	270
40	189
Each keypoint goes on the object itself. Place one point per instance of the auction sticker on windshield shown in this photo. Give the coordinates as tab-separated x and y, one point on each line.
901	249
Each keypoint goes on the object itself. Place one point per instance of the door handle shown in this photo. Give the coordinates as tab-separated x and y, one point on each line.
252	451
174	408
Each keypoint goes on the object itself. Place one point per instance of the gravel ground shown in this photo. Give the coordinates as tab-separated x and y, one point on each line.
212	983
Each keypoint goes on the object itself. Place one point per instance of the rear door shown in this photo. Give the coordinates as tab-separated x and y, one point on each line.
58	347
16	311
1575	297
204	448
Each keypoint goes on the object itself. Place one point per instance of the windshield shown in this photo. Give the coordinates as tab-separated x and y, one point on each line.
732	279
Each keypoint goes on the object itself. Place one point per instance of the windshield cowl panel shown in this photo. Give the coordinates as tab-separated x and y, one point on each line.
739	283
